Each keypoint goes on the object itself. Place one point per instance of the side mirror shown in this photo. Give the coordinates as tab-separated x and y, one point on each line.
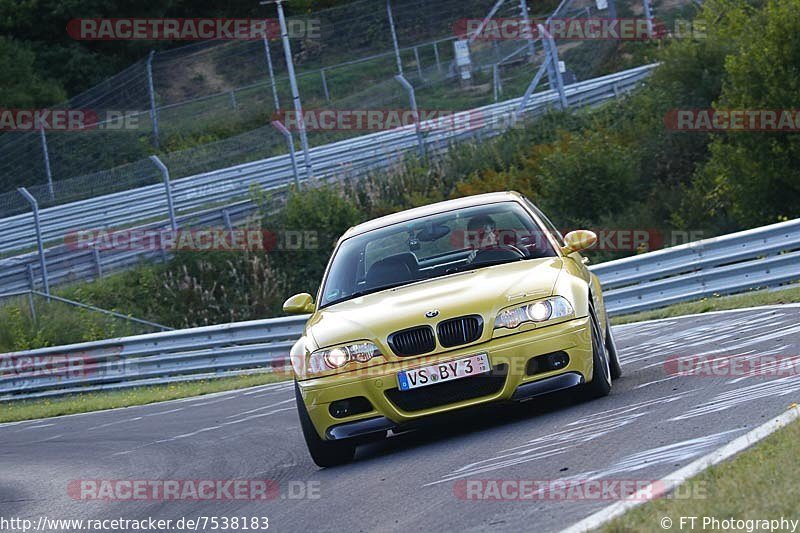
299	304
578	240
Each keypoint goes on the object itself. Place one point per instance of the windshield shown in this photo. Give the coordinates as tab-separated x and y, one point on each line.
433	246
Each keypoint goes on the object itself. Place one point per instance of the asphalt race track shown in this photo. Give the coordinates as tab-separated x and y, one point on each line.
653	423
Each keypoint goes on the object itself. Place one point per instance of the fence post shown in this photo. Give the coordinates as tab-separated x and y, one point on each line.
497	82
288	136
271	74
419	64
413	100
533	84
31	288
152	92
42	262
325	85
234	105
523	6
555	78
168	188
298	106
436	55
394	38
648	14
47	170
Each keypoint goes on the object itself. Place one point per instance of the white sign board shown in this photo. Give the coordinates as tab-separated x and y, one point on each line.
602	4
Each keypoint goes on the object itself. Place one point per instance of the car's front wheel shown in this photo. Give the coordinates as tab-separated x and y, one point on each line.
324	453
601	372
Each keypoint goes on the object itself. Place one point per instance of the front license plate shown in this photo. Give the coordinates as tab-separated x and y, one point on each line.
447	371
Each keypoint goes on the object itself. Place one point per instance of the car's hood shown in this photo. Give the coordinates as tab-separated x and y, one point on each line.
483	291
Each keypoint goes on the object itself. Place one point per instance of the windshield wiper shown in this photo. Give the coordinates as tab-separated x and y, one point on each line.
481	264
371	290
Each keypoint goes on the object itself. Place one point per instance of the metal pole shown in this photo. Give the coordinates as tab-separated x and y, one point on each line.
42	262
97	262
394	38
523	6
419	63
649	16
46	153
233	101
30	293
436	55
298	107
559	81
533	84
288	136
152	91
271	74
612	10
168	188
413	99
486	20
495	82
226	216
325	85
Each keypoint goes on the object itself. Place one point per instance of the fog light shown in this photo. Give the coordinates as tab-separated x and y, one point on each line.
349	407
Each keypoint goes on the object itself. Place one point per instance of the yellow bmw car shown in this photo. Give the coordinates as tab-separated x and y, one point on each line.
444	307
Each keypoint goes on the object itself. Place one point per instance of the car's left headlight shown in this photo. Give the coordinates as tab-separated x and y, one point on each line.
338	356
539	311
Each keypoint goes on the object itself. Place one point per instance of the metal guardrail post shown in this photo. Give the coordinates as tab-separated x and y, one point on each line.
46	154
168	188
98	263
37	223
152	93
412	97
290	142
271	73
226	217
394	38
533	84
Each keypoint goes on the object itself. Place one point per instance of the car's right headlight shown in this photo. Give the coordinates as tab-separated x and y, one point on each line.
539	311
338	356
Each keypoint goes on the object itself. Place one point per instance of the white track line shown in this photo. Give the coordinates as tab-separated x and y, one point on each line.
707	313
669	483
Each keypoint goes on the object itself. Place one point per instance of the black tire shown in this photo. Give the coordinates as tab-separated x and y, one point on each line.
324	453
601	372
613	355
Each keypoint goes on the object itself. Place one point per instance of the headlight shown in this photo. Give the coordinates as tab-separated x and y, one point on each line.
338	356
541	311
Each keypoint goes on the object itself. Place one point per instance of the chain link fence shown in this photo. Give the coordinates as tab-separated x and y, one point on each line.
213	101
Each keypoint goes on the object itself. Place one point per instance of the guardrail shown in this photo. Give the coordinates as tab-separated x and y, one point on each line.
761	257
353	157
757	258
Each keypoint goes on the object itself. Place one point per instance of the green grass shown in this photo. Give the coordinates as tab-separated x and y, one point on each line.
718	303
98	401
760	483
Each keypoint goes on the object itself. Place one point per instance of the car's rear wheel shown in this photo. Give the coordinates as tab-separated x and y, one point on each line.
601	372
613	355
324	453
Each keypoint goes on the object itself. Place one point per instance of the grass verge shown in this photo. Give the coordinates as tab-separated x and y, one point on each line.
758	484
14	411
719	303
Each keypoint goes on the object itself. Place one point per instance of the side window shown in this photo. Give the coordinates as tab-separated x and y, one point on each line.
546	221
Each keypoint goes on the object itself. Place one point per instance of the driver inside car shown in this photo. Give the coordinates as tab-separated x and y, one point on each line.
485	241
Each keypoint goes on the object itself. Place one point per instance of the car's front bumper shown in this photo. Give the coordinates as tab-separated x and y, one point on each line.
508	355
